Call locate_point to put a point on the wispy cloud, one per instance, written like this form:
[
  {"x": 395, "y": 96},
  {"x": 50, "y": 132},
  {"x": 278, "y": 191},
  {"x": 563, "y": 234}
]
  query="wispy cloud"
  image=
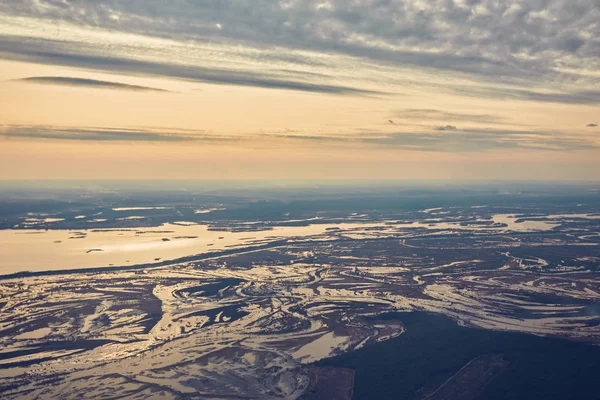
[
  {"x": 438, "y": 140},
  {"x": 91, "y": 83},
  {"x": 442, "y": 115},
  {"x": 446, "y": 128},
  {"x": 464, "y": 140},
  {"x": 65, "y": 54},
  {"x": 101, "y": 134},
  {"x": 584, "y": 96}
]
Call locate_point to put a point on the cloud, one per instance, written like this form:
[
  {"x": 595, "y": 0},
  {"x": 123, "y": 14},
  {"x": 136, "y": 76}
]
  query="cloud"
[
  {"x": 465, "y": 140},
  {"x": 58, "y": 53},
  {"x": 451, "y": 140},
  {"x": 533, "y": 44},
  {"x": 446, "y": 128},
  {"x": 592, "y": 125},
  {"x": 91, "y": 83},
  {"x": 100, "y": 134},
  {"x": 482, "y": 140},
  {"x": 434, "y": 114},
  {"x": 583, "y": 96}
]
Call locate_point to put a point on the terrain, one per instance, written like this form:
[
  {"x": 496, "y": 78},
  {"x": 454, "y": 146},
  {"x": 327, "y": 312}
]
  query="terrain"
[{"x": 279, "y": 294}]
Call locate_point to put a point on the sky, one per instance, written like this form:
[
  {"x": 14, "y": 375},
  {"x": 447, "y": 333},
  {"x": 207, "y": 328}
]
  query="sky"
[{"x": 266, "y": 89}]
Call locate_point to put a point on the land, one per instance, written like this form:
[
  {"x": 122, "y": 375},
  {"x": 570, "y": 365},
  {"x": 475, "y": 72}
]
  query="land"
[
  {"x": 422, "y": 294},
  {"x": 327, "y": 383},
  {"x": 437, "y": 359}
]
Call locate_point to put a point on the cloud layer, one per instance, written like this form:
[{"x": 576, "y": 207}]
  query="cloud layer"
[
  {"x": 547, "y": 50},
  {"x": 68, "y": 54},
  {"x": 481, "y": 36},
  {"x": 441, "y": 139}
]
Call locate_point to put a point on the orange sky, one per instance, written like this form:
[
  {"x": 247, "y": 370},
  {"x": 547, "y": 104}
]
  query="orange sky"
[{"x": 241, "y": 109}]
